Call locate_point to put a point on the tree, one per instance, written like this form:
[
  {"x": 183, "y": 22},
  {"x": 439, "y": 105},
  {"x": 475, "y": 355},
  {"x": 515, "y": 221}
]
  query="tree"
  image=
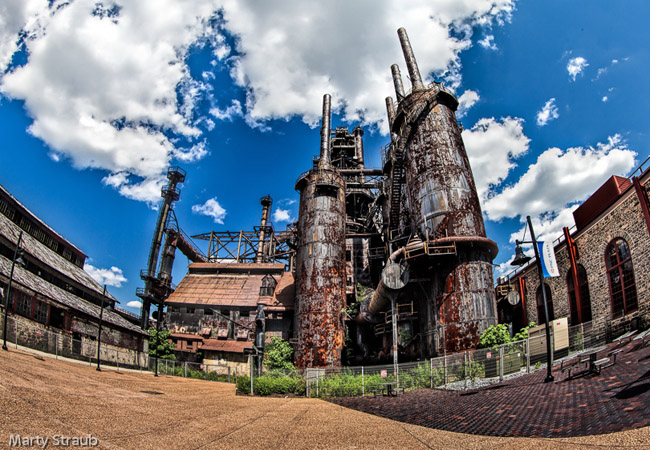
[
  {"x": 278, "y": 355},
  {"x": 160, "y": 345}
]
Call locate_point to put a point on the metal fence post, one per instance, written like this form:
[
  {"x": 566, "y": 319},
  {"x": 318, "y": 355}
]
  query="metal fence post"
[
  {"x": 465, "y": 368},
  {"x": 527, "y": 355},
  {"x": 445, "y": 365},
  {"x": 185, "y": 369},
  {"x": 317, "y": 378},
  {"x": 431, "y": 371},
  {"x": 582, "y": 336},
  {"x": 363, "y": 385},
  {"x": 15, "y": 332},
  {"x": 228, "y": 373},
  {"x": 501, "y": 363}
]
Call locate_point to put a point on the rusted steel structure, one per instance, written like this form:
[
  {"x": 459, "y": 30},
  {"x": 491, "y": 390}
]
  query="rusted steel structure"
[
  {"x": 382, "y": 260},
  {"x": 442, "y": 227},
  {"x": 158, "y": 280},
  {"x": 320, "y": 260}
]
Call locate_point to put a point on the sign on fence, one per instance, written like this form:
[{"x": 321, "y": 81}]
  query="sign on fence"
[{"x": 384, "y": 373}]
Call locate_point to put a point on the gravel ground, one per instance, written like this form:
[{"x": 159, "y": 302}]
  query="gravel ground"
[{"x": 125, "y": 410}]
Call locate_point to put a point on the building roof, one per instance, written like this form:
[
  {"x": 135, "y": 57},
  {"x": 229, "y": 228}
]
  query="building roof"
[
  {"x": 35, "y": 218},
  {"x": 48, "y": 257},
  {"x": 600, "y": 200},
  {"x": 215, "y": 345},
  {"x": 232, "y": 285},
  {"x": 32, "y": 282},
  {"x": 186, "y": 336}
]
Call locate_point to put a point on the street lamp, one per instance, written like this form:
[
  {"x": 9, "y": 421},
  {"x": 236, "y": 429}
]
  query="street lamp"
[
  {"x": 99, "y": 332},
  {"x": 18, "y": 258},
  {"x": 521, "y": 259}
]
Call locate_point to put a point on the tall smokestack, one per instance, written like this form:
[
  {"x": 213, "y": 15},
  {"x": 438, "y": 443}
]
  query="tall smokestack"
[
  {"x": 390, "y": 109},
  {"x": 397, "y": 81},
  {"x": 411, "y": 63},
  {"x": 325, "y": 132},
  {"x": 266, "y": 205},
  {"x": 358, "y": 145}
]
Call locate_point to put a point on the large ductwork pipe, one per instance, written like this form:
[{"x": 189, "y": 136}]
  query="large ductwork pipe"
[
  {"x": 390, "y": 110},
  {"x": 411, "y": 63},
  {"x": 266, "y": 205},
  {"x": 393, "y": 278},
  {"x": 358, "y": 146},
  {"x": 325, "y": 132},
  {"x": 397, "y": 81}
]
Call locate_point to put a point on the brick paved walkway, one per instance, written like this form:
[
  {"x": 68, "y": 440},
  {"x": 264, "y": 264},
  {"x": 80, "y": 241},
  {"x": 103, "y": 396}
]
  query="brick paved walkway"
[{"x": 616, "y": 400}]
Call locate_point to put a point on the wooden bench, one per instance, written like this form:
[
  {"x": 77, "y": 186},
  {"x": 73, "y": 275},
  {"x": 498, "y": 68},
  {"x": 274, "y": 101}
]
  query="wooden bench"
[{"x": 597, "y": 366}]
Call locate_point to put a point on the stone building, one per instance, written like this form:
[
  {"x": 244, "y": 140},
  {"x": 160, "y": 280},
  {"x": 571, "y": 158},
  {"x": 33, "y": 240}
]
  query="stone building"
[
  {"x": 52, "y": 292},
  {"x": 604, "y": 265}
]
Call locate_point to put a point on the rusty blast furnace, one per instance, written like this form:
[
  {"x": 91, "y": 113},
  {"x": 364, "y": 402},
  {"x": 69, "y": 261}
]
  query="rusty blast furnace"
[
  {"x": 405, "y": 243},
  {"x": 320, "y": 260}
]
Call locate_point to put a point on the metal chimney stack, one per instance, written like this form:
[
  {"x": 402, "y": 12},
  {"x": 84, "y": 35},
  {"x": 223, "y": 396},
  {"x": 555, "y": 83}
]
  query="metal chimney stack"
[
  {"x": 411, "y": 63},
  {"x": 397, "y": 80},
  {"x": 358, "y": 146},
  {"x": 266, "y": 205},
  {"x": 325, "y": 132},
  {"x": 390, "y": 110}
]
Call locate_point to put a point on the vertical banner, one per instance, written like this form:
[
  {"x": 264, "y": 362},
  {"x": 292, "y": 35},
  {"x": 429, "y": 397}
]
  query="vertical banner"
[{"x": 547, "y": 254}]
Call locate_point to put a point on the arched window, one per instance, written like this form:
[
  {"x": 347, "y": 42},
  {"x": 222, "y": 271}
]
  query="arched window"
[
  {"x": 620, "y": 273},
  {"x": 541, "y": 317},
  {"x": 583, "y": 289}
]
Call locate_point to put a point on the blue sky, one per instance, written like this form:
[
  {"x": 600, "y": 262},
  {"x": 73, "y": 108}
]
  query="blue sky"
[{"x": 97, "y": 99}]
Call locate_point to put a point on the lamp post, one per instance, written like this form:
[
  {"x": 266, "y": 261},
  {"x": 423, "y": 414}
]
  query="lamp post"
[
  {"x": 18, "y": 258},
  {"x": 521, "y": 259},
  {"x": 158, "y": 319},
  {"x": 99, "y": 333}
]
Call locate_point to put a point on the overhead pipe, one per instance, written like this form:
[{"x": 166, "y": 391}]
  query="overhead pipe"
[
  {"x": 397, "y": 81},
  {"x": 409, "y": 57},
  {"x": 325, "y": 132},
  {"x": 266, "y": 204}
]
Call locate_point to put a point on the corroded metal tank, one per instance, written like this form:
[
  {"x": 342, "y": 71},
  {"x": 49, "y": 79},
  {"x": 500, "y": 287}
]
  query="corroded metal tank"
[
  {"x": 444, "y": 208},
  {"x": 320, "y": 261}
]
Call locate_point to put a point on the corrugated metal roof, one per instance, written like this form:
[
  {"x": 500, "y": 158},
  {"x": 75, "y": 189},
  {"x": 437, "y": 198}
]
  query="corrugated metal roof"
[
  {"x": 186, "y": 336},
  {"x": 38, "y": 285},
  {"x": 232, "y": 285},
  {"x": 215, "y": 345},
  {"x": 49, "y": 258},
  {"x": 40, "y": 222}
]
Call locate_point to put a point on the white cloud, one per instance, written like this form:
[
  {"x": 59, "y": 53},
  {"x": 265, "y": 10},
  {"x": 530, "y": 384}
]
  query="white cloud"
[
  {"x": 108, "y": 87},
  {"x": 605, "y": 98},
  {"x": 548, "y": 227},
  {"x": 488, "y": 42},
  {"x": 466, "y": 101},
  {"x": 548, "y": 112},
  {"x": 559, "y": 179},
  {"x": 135, "y": 304},
  {"x": 282, "y": 215},
  {"x": 110, "y": 277},
  {"x": 291, "y": 56},
  {"x": 576, "y": 66},
  {"x": 491, "y": 147},
  {"x": 211, "y": 208},
  {"x": 234, "y": 110},
  {"x": 101, "y": 82}
]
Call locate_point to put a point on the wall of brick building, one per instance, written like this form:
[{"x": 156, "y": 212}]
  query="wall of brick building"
[{"x": 624, "y": 219}]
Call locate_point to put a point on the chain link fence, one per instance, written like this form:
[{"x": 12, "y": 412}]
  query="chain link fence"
[{"x": 465, "y": 370}]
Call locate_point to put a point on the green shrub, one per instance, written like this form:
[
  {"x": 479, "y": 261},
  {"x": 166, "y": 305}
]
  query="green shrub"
[
  {"x": 494, "y": 336},
  {"x": 278, "y": 354},
  {"x": 269, "y": 384}
]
